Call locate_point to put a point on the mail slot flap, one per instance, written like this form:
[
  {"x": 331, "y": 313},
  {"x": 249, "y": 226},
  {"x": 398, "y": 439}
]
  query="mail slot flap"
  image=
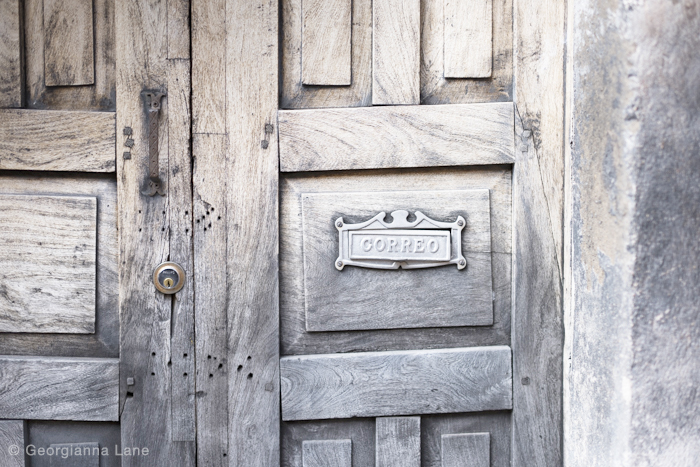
[{"x": 400, "y": 259}]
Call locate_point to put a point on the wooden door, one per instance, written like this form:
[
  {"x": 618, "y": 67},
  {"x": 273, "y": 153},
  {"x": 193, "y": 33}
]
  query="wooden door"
[
  {"x": 284, "y": 133},
  {"x": 59, "y": 271},
  {"x": 350, "y": 110}
]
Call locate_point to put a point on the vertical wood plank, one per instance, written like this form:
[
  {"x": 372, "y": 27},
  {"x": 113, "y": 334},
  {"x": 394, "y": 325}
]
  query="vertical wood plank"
[
  {"x": 327, "y": 453},
  {"x": 11, "y": 434},
  {"x": 396, "y": 52},
  {"x": 398, "y": 442},
  {"x": 209, "y": 196},
  {"x": 148, "y": 319},
  {"x": 68, "y": 43},
  {"x": 325, "y": 42},
  {"x": 472, "y": 449},
  {"x": 209, "y": 185},
  {"x": 468, "y": 38},
  {"x": 11, "y": 53},
  {"x": 537, "y": 316},
  {"x": 252, "y": 242},
  {"x": 539, "y": 28},
  {"x": 180, "y": 207},
  {"x": 209, "y": 66},
  {"x": 178, "y": 29}
]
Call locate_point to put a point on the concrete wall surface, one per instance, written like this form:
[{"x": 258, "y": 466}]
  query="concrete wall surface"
[{"x": 633, "y": 375}]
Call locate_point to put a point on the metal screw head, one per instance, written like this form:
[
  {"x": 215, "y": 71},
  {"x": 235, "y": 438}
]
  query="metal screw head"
[
  {"x": 339, "y": 264},
  {"x": 460, "y": 222},
  {"x": 462, "y": 262},
  {"x": 339, "y": 224},
  {"x": 129, "y": 381}
]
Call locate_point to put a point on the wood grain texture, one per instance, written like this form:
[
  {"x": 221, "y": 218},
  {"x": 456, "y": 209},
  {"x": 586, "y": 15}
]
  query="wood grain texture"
[
  {"x": 154, "y": 327},
  {"x": 326, "y": 42},
  {"x": 540, "y": 44},
  {"x": 466, "y": 449},
  {"x": 209, "y": 185},
  {"x": 295, "y": 95},
  {"x": 57, "y": 141},
  {"x": 105, "y": 341},
  {"x": 179, "y": 29},
  {"x": 11, "y": 54},
  {"x": 294, "y": 338},
  {"x": 48, "y": 263},
  {"x": 436, "y": 88},
  {"x": 538, "y": 343},
  {"x": 68, "y": 43},
  {"x": 89, "y": 455},
  {"x": 180, "y": 205},
  {"x": 209, "y": 150},
  {"x": 396, "y": 137},
  {"x": 57, "y": 388},
  {"x": 468, "y": 38},
  {"x": 496, "y": 424},
  {"x": 252, "y": 219},
  {"x": 396, "y": 383},
  {"x": 99, "y": 96},
  {"x": 390, "y": 299},
  {"x": 208, "y": 66},
  {"x": 398, "y": 442},
  {"x": 11, "y": 434},
  {"x": 395, "y": 52},
  {"x": 360, "y": 431},
  {"x": 327, "y": 453}
]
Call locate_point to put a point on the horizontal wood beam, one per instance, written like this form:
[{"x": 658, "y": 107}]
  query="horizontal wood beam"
[
  {"x": 374, "y": 384},
  {"x": 396, "y": 137},
  {"x": 57, "y": 388},
  {"x": 55, "y": 140}
]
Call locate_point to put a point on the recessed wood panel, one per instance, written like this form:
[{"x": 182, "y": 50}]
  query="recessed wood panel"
[
  {"x": 105, "y": 341},
  {"x": 393, "y": 137},
  {"x": 10, "y": 54},
  {"x": 472, "y": 449},
  {"x": 468, "y": 38},
  {"x": 48, "y": 263},
  {"x": 396, "y": 52},
  {"x": 46, "y": 388},
  {"x": 327, "y": 453},
  {"x": 57, "y": 140},
  {"x": 68, "y": 43},
  {"x": 325, "y": 43},
  {"x": 436, "y": 86},
  {"x": 294, "y": 94},
  {"x": 396, "y": 383},
  {"x": 357, "y": 298},
  {"x": 11, "y": 434},
  {"x": 398, "y": 442},
  {"x": 294, "y": 337},
  {"x": 89, "y": 455}
]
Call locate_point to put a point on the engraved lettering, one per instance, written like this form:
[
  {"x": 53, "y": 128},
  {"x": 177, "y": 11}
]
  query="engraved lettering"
[
  {"x": 379, "y": 244},
  {"x": 433, "y": 246},
  {"x": 392, "y": 245},
  {"x": 419, "y": 247},
  {"x": 367, "y": 244},
  {"x": 405, "y": 245}
]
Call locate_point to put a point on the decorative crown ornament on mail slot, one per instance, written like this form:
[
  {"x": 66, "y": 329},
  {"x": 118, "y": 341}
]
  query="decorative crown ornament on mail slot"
[{"x": 423, "y": 243}]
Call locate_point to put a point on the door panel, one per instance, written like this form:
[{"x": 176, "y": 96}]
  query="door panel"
[{"x": 295, "y": 338}]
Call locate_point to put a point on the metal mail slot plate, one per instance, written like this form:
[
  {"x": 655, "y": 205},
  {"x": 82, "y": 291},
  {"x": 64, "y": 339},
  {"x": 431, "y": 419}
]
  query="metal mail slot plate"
[{"x": 400, "y": 245}]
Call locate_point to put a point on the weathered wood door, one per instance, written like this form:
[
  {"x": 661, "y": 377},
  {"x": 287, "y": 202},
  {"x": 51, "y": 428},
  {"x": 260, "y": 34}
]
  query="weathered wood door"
[
  {"x": 369, "y": 241},
  {"x": 59, "y": 284}
]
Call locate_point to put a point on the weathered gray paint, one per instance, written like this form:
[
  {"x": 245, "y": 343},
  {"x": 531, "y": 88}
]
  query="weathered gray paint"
[{"x": 633, "y": 371}]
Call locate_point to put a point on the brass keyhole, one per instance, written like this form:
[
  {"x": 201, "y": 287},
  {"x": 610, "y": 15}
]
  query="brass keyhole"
[
  {"x": 169, "y": 278},
  {"x": 168, "y": 282}
]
